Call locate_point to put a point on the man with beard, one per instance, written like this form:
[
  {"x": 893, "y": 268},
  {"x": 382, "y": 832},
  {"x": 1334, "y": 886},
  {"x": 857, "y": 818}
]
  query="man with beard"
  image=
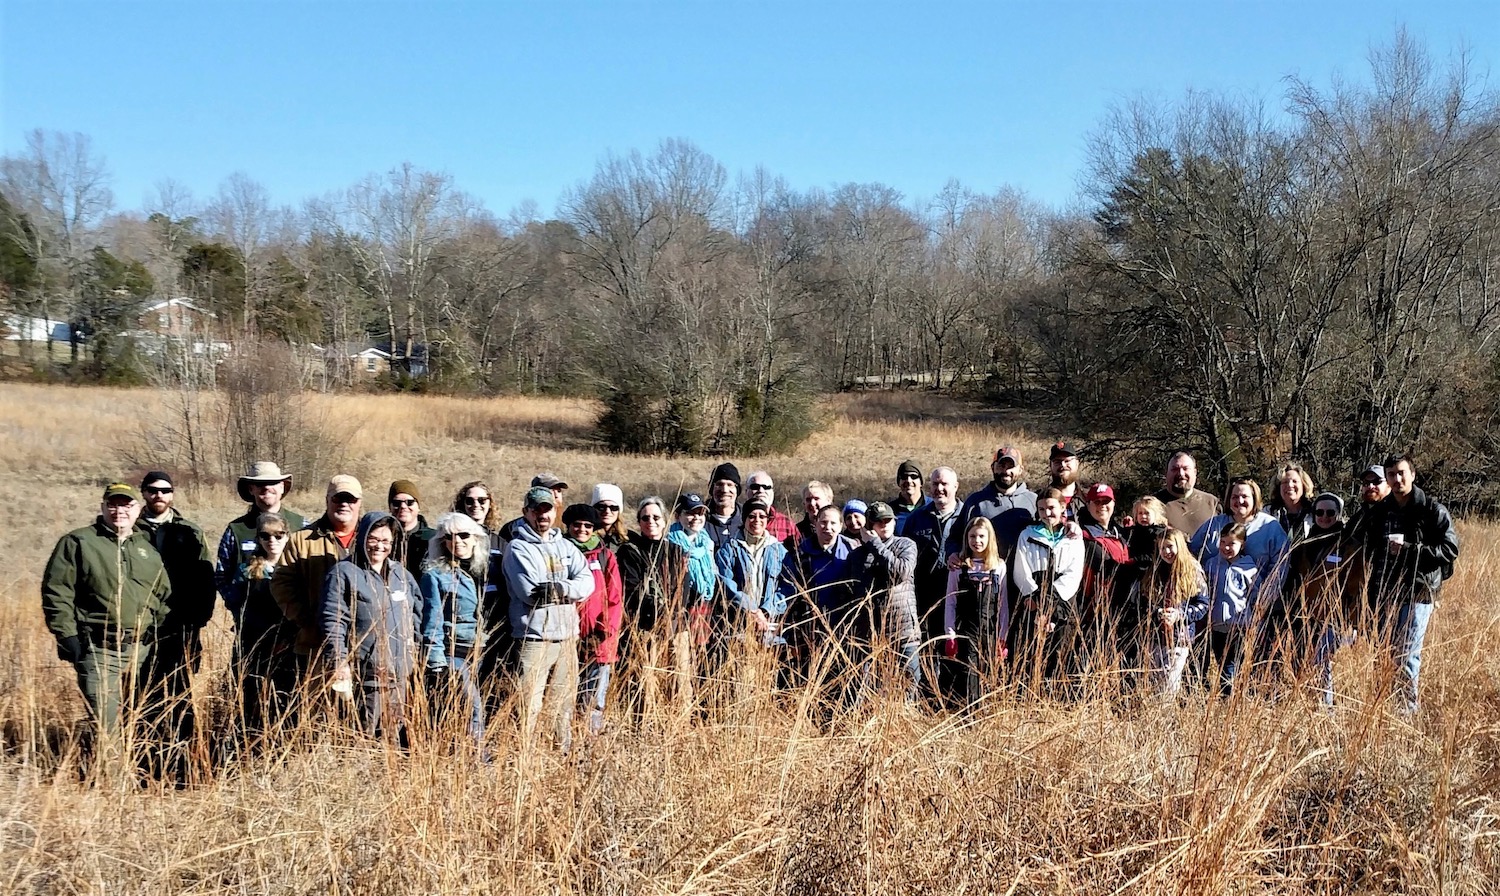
[
  {"x": 1006, "y": 502},
  {"x": 1062, "y": 468},
  {"x": 264, "y": 486},
  {"x": 177, "y": 646},
  {"x": 1187, "y": 507},
  {"x": 1372, "y": 490}
]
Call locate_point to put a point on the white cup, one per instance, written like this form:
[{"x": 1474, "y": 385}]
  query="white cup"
[{"x": 1396, "y": 538}]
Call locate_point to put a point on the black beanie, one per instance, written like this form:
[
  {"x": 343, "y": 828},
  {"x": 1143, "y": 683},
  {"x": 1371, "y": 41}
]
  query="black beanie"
[{"x": 727, "y": 471}]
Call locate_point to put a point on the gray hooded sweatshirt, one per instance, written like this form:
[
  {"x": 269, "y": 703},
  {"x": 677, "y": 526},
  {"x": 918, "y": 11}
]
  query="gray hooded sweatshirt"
[{"x": 532, "y": 560}]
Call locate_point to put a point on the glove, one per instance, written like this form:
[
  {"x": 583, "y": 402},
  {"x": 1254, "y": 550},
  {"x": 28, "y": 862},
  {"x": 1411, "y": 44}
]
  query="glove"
[
  {"x": 950, "y": 647},
  {"x": 548, "y": 593},
  {"x": 70, "y": 649},
  {"x": 437, "y": 677}
]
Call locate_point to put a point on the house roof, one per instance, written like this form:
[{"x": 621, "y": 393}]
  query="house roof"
[{"x": 179, "y": 302}]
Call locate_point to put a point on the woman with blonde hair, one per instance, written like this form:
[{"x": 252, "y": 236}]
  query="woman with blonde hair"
[
  {"x": 451, "y": 587},
  {"x": 976, "y": 614}
]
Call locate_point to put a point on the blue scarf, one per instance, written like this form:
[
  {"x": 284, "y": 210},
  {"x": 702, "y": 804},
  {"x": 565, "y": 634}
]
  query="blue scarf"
[{"x": 703, "y": 572}]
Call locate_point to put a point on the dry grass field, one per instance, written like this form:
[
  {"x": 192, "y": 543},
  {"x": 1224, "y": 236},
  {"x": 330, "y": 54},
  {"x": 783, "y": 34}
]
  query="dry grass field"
[{"x": 1259, "y": 794}]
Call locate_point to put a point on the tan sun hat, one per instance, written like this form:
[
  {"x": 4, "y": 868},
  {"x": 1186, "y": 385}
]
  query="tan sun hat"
[{"x": 263, "y": 471}]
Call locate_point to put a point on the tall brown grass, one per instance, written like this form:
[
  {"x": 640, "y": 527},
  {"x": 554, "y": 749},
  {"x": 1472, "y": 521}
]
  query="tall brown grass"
[{"x": 1261, "y": 793}]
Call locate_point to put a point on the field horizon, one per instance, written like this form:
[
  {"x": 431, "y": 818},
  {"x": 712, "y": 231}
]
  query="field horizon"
[{"x": 1264, "y": 792}]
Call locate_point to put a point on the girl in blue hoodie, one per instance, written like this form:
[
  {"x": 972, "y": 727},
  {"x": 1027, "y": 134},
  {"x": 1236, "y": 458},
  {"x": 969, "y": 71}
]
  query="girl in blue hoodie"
[{"x": 1231, "y": 575}]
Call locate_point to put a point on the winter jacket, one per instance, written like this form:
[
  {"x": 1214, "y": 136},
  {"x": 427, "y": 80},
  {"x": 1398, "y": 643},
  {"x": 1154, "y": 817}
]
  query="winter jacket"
[
  {"x": 1187, "y": 515},
  {"x": 235, "y": 548},
  {"x": 823, "y": 575},
  {"x": 600, "y": 617},
  {"x": 184, "y": 552},
  {"x": 298, "y": 583},
  {"x": 720, "y": 532},
  {"x": 1010, "y": 514},
  {"x": 903, "y": 512},
  {"x": 654, "y": 575},
  {"x": 930, "y": 533},
  {"x": 534, "y": 562},
  {"x": 750, "y": 586},
  {"x": 1040, "y": 550},
  {"x": 1416, "y": 574},
  {"x": 412, "y": 551},
  {"x": 1149, "y": 600},
  {"x": 370, "y": 619},
  {"x": 1232, "y": 591},
  {"x": 886, "y": 573},
  {"x": 780, "y": 526},
  {"x": 104, "y": 590},
  {"x": 451, "y": 615}
]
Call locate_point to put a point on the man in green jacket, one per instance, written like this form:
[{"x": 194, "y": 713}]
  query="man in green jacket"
[{"x": 104, "y": 592}]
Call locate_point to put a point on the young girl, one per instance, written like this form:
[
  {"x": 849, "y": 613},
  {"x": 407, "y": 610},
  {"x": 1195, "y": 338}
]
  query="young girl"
[
  {"x": 1048, "y": 569},
  {"x": 1172, "y": 597},
  {"x": 976, "y": 611},
  {"x": 264, "y": 638}
]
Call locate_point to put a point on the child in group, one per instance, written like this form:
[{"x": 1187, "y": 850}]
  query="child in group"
[
  {"x": 1231, "y": 575},
  {"x": 976, "y": 611},
  {"x": 1173, "y": 596}
]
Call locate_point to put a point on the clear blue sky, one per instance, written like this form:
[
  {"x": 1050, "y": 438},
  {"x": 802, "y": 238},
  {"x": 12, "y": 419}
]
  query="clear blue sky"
[{"x": 520, "y": 101}]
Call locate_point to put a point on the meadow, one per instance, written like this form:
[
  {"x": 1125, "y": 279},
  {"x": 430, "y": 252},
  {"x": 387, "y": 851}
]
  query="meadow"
[{"x": 1258, "y": 794}]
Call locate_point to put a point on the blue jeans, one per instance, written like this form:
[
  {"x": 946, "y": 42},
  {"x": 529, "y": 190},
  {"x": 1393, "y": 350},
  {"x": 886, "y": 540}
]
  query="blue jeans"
[{"x": 1404, "y": 636}]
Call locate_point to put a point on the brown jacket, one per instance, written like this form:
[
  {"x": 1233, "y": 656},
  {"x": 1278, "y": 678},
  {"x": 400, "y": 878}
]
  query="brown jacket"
[{"x": 297, "y": 585}]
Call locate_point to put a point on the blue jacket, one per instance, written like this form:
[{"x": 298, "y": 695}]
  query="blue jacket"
[
  {"x": 370, "y": 620},
  {"x": 735, "y": 564},
  {"x": 1232, "y": 587},
  {"x": 1265, "y": 542},
  {"x": 824, "y": 575},
  {"x": 450, "y": 614}
]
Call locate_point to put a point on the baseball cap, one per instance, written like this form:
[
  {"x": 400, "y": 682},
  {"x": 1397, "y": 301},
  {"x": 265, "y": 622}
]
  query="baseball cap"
[
  {"x": 1375, "y": 469},
  {"x": 344, "y": 484},
  {"x": 1061, "y": 449},
  {"x": 1009, "y": 453},
  {"x": 119, "y": 490},
  {"x": 1099, "y": 491},
  {"x": 880, "y": 511},
  {"x": 548, "y": 480},
  {"x": 539, "y": 496},
  {"x": 690, "y": 501}
]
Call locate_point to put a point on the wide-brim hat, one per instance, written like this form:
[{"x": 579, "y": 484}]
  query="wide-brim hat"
[{"x": 262, "y": 471}]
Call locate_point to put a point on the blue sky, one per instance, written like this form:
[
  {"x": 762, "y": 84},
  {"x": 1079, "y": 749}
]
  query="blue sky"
[{"x": 520, "y": 100}]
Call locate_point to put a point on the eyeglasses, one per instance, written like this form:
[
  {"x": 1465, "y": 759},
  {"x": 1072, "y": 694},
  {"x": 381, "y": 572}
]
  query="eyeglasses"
[
  {"x": 608, "y": 508},
  {"x": 475, "y": 502},
  {"x": 157, "y": 490},
  {"x": 373, "y": 543},
  {"x": 266, "y": 536},
  {"x": 459, "y": 536},
  {"x": 404, "y": 502}
]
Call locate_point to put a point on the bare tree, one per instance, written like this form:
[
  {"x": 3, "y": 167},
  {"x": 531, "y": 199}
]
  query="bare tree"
[{"x": 241, "y": 214}]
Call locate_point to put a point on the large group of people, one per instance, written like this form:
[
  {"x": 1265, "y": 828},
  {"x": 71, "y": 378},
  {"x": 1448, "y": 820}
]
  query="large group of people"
[{"x": 943, "y": 601}]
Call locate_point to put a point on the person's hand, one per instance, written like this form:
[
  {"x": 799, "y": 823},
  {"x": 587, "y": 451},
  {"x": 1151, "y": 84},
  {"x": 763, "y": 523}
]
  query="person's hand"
[
  {"x": 70, "y": 649},
  {"x": 866, "y": 536},
  {"x": 1171, "y": 615},
  {"x": 343, "y": 680},
  {"x": 548, "y": 593},
  {"x": 1003, "y": 651},
  {"x": 955, "y": 562},
  {"x": 762, "y": 622},
  {"x": 1072, "y": 529}
]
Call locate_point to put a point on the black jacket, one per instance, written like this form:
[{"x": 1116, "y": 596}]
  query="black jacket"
[{"x": 1426, "y": 558}]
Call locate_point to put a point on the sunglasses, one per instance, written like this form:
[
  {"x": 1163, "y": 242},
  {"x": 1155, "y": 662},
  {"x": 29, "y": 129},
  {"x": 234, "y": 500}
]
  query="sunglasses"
[
  {"x": 157, "y": 490},
  {"x": 266, "y": 536},
  {"x": 1323, "y": 514},
  {"x": 476, "y": 502},
  {"x": 404, "y": 502},
  {"x": 613, "y": 508},
  {"x": 459, "y": 536},
  {"x": 760, "y": 487}
]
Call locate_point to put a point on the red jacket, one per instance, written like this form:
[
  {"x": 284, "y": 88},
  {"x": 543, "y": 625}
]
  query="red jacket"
[{"x": 600, "y": 616}]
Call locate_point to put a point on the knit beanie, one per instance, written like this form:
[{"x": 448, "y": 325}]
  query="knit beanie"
[
  {"x": 727, "y": 471},
  {"x": 403, "y": 487}
]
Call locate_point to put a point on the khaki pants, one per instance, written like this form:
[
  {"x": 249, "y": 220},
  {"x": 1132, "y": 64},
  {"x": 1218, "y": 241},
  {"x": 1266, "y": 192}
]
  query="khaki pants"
[{"x": 549, "y": 681}]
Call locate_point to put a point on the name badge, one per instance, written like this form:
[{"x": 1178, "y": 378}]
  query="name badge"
[
  {"x": 247, "y": 545},
  {"x": 491, "y": 589},
  {"x": 398, "y": 596},
  {"x": 1333, "y": 558},
  {"x": 594, "y": 564}
]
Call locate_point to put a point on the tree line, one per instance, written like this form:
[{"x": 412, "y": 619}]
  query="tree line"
[{"x": 1313, "y": 277}]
